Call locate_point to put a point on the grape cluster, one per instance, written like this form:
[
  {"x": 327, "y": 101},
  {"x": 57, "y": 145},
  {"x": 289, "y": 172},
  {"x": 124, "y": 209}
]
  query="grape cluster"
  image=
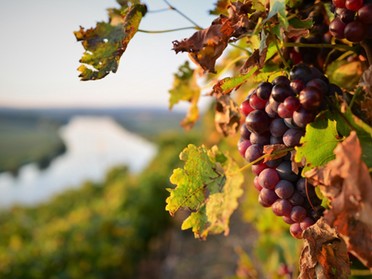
[
  {"x": 353, "y": 20},
  {"x": 277, "y": 113}
]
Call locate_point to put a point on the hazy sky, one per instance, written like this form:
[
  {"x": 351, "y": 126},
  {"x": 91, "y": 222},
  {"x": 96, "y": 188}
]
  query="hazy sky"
[{"x": 39, "y": 54}]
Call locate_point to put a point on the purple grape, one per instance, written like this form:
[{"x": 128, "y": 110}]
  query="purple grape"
[
  {"x": 303, "y": 117},
  {"x": 296, "y": 230},
  {"x": 274, "y": 163},
  {"x": 288, "y": 220},
  {"x": 297, "y": 85},
  {"x": 268, "y": 178},
  {"x": 281, "y": 80},
  {"x": 276, "y": 140},
  {"x": 310, "y": 98},
  {"x": 242, "y": 146},
  {"x": 264, "y": 90},
  {"x": 256, "y": 169},
  {"x": 246, "y": 108},
  {"x": 256, "y": 102},
  {"x": 298, "y": 213},
  {"x": 290, "y": 123},
  {"x": 307, "y": 222},
  {"x": 292, "y": 137},
  {"x": 278, "y": 127},
  {"x": 291, "y": 103},
  {"x": 253, "y": 152},
  {"x": 283, "y": 112},
  {"x": 261, "y": 139},
  {"x": 282, "y": 207},
  {"x": 296, "y": 199},
  {"x": 285, "y": 171},
  {"x": 281, "y": 91},
  {"x": 284, "y": 189},
  {"x": 355, "y": 31},
  {"x": 267, "y": 197},
  {"x": 336, "y": 28},
  {"x": 258, "y": 121},
  {"x": 257, "y": 184},
  {"x": 244, "y": 132},
  {"x": 365, "y": 14}
]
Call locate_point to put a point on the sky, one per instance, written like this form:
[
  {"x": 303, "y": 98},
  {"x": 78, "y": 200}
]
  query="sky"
[{"x": 39, "y": 54}]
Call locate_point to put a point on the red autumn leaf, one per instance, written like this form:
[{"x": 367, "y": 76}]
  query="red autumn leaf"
[
  {"x": 347, "y": 183},
  {"x": 324, "y": 254}
]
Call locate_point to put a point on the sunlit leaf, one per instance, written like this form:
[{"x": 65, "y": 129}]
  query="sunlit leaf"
[
  {"x": 208, "y": 185},
  {"x": 105, "y": 43},
  {"x": 185, "y": 88}
]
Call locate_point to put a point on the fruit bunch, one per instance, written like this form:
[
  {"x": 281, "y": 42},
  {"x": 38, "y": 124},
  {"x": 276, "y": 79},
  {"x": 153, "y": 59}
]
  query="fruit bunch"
[
  {"x": 277, "y": 113},
  {"x": 353, "y": 20}
]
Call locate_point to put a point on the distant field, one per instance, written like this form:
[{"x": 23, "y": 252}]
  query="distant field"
[{"x": 27, "y": 139}]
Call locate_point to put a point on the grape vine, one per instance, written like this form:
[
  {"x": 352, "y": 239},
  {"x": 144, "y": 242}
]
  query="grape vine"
[{"x": 297, "y": 99}]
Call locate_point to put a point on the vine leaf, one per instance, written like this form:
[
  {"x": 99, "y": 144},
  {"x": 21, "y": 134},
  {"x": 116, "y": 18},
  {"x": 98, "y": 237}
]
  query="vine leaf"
[
  {"x": 227, "y": 115},
  {"x": 345, "y": 74},
  {"x": 208, "y": 185},
  {"x": 317, "y": 147},
  {"x": 347, "y": 183},
  {"x": 185, "y": 88},
  {"x": 324, "y": 254},
  {"x": 105, "y": 43}
]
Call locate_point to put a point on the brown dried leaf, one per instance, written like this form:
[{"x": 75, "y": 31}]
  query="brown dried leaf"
[
  {"x": 275, "y": 150},
  {"x": 347, "y": 184},
  {"x": 207, "y": 45},
  {"x": 227, "y": 116},
  {"x": 324, "y": 254}
]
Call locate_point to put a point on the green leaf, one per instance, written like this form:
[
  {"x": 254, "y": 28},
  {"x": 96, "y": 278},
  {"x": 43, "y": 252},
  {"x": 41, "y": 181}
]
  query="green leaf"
[
  {"x": 320, "y": 140},
  {"x": 186, "y": 88},
  {"x": 209, "y": 185},
  {"x": 105, "y": 43},
  {"x": 299, "y": 23},
  {"x": 277, "y": 7},
  {"x": 345, "y": 74},
  {"x": 227, "y": 85}
]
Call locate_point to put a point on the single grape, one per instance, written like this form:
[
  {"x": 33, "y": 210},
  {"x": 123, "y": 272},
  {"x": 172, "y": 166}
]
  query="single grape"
[
  {"x": 283, "y": 112},
  {"x": 261, "y": 139},
  {"x": 303, "y": 117},
  {"x": 336, "y": 28},
  {"x": 242, "y": 146},
  {"x": 245, "y": 107},
  {"x": 281, "y": 80},
  {"x": 310, "y": 98},
  {"x": 301, "y": 72},
  {"x": 244, "y": 132},
  {"x": 257, "y": 184},
  {"x": 258, "y": 121},
  {"x": 296, "y": 230},
  {"x": 268, "y": 178},
  {"x": 278, "y": 127},
  {"x": 256, "y": 102},
  {"x": 292, "y": 137},
  {"x": 281, "y": 91},
  {"x": 253, "y": 152},
  {"x": 320, "y": 84},
  {"x": 307, "y": 222},
  {"x": 355, "y": 31},
  {"x": 365, "y": 14},
  {"x": 339, "y": 3},
  {"x": 353, "y": 5},
  {"x": 267, "y": 196},
  {"x": 256, "y": 169},
  {"x": 285, "y": 171},
  {"x": 291, "y": 103},
  {"x": 284, "y": 189},
  {"x": 264, "y": 90},
  {"x": 298, "y": 213},
  {"x": 282, "y": 207},
  {"x": 270, "y": 111}
]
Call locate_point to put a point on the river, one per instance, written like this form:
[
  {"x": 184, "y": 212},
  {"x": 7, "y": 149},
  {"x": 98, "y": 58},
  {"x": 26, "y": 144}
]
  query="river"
[{"x": 94, "y": 145}]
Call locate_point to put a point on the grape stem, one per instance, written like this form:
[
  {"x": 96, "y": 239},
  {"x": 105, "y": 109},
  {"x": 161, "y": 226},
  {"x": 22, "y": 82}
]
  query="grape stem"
[
  {"x": 286, "y": 65},
  {"x": 165, "y": 31},
  {"x": 367, "y": 45},
  {"x": 197, "y": 26},
  {"x": 335, "y": 46},
  {"x": 282, "y": 152}
]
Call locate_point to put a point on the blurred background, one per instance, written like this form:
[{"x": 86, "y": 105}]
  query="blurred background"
[{"x": 84, "y": 165}]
